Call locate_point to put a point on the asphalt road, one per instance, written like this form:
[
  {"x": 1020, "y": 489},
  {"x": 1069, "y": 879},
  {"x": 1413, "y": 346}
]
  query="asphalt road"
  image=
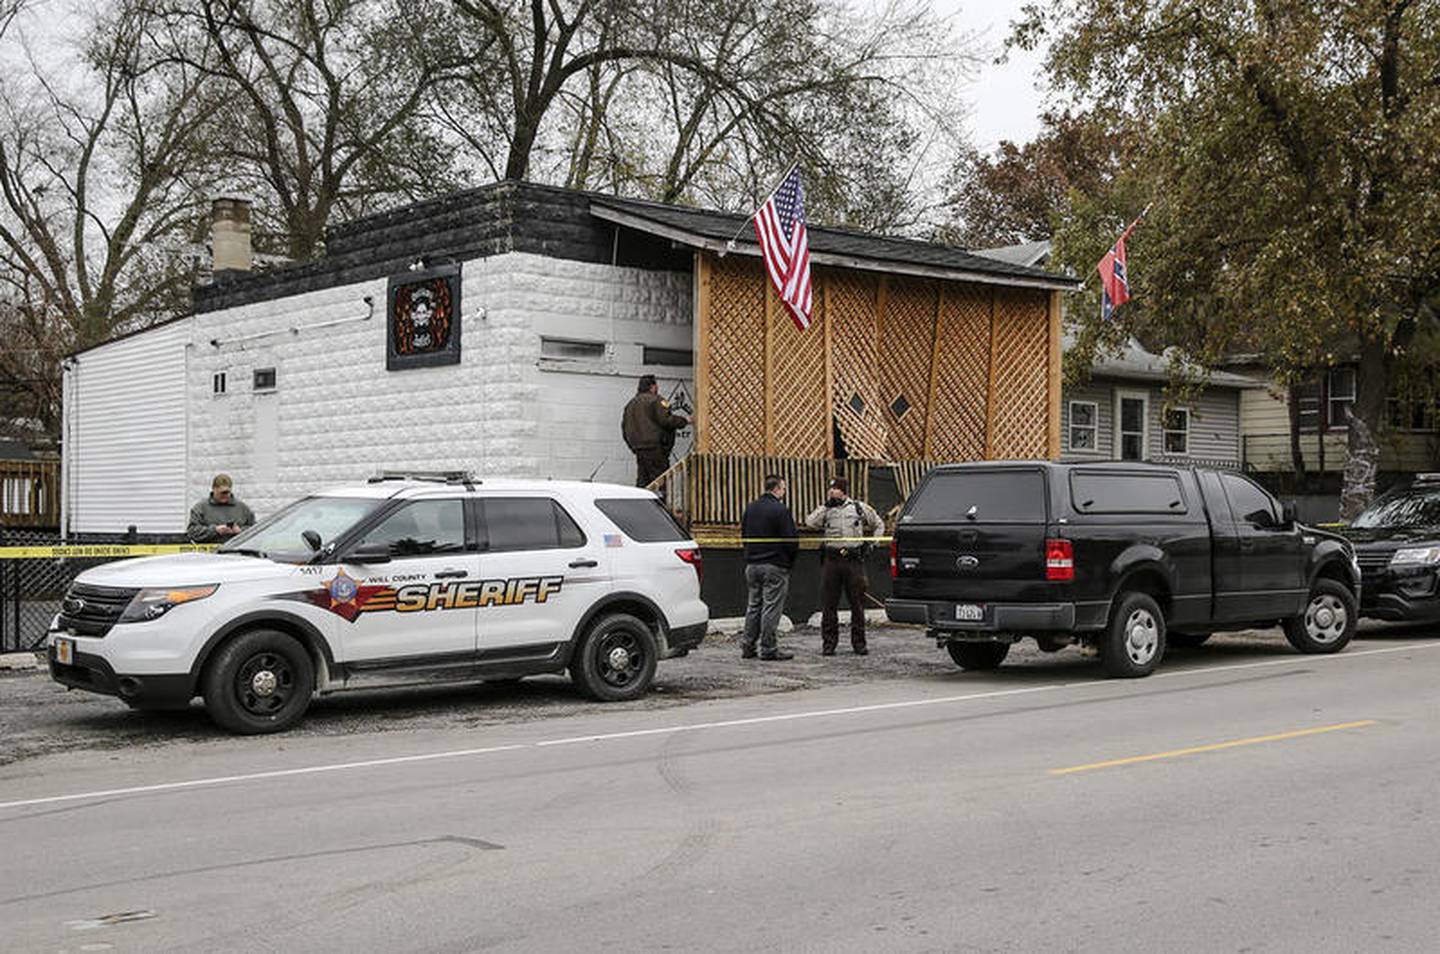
[{"x": 1243, "y": 799}]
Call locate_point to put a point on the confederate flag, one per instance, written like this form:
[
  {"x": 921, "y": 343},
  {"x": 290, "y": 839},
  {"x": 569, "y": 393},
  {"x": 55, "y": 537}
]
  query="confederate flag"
[{"x": 1114, "y": 279}]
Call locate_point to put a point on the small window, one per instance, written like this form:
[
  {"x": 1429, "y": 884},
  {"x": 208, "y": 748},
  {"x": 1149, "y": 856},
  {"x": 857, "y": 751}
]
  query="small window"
[
  {"x": 217, "y": 383},
  {"x": 572, "y": 349},
  {"x": 422, "y": 528},
  {"x": 1342, "y": 395},
  {"x": 1084, "y": 425},
  {"x": 1126, "y": 493},
  {"x": 899, "y": 406},
  {"x": 264, "y": 379},
  {"x": 988, "y": 496},
  {"x": 642, "y": 520},
  {"x": 1248, "y": 503},
  {"x": 1133, "y": 411},
  {"x": 670, "y": 357},
  {"x": 1177, "y": 431},
  {"x": 1307, "y": 399},
  {"x": 857, "y": 404},
  {"x": 528, "y": 523}
]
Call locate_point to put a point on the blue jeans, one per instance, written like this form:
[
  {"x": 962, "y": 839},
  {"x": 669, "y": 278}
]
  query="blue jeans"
[{"x": 768, "y": 586}]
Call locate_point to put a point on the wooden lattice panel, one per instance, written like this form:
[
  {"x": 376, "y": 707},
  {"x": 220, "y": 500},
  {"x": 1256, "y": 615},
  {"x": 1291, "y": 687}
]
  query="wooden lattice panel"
[
  {"x": 799, "y": 424},
  {"x": 907, "y": 331},
  {"x": 855, "y": 361},
  {"x": 962, "y": 374},
  {"x": 1021, "y": 417},
  {"x": 735, "y": 411}
]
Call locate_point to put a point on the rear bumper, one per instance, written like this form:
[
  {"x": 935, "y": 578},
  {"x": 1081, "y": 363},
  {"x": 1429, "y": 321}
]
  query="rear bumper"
[
  {"x": 681, "y": 639},
  {"x": 999, "y": 617},
  {"x": 94, "y": 674}
]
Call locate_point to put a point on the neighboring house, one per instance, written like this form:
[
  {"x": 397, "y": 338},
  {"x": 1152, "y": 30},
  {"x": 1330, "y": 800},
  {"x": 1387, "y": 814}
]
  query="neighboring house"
[
  {"x": 29, "y": 486},
  {"x": 1409, "y": 439},
  {"x": 1122, "y": 413}
]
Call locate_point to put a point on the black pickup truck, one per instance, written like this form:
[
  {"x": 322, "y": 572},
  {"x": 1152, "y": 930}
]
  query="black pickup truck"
[{"x": 1118, "y": 557}]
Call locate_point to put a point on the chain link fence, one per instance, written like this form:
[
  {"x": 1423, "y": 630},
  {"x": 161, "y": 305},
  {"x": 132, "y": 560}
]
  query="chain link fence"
[{"x": 31, "y": 588}]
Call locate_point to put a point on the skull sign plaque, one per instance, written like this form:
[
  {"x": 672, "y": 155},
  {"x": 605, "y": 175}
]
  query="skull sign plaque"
[{"x": 423, "y": 319}]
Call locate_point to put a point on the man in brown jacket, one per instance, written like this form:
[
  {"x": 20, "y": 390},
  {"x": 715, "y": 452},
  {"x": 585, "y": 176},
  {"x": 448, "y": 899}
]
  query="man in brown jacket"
[
  {"x": 649, "y": 427},
  {"x": 846, "y": 524}
]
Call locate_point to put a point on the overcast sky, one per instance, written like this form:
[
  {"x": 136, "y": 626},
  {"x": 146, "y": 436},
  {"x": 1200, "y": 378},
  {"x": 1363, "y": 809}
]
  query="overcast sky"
[{"x": 1005, "y": 101}]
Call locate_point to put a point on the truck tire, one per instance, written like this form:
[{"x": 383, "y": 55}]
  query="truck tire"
[
  {"x": 260, "y": 681},
  {"x": 1188, "y": 640},
  {"x": 1134, "y": 642},
  {"x": 1329, "y": 619},
  {"x": 615, "y": 660},
  {"x": 978, "y": 656}
]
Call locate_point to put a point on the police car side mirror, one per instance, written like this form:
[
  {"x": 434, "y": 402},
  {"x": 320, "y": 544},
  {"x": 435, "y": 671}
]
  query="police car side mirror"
[{"x": 369, "y": 553}]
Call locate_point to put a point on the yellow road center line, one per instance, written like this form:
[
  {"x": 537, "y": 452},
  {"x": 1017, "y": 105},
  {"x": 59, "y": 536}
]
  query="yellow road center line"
[{"x": 1214, "y": 747}]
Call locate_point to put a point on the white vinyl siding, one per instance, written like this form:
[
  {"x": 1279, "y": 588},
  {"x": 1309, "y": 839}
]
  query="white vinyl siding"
[
  {"x": 1214, "y": 422},
  {"x": 125, "y": 434}
]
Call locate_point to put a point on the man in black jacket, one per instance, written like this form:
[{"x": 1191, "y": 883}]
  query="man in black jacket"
[{"x": 768, "y": 523}]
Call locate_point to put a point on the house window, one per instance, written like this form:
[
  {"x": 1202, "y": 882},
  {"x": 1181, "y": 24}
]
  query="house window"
[
  {"x": 1084, "y": 425},
  {"x": 264, "y": 379},
  {"x": 1177, "y": 431},
  {"x": 572, "y": 349},
  {"x": 217, "y": 383},
  {"x": 1130, "y": 425},
  {"x": 1411, "y": 406},
  {"x": 670, "y": 357},
  {"x": 1342, "y": 395},
  {"x": 1309, "y": 401}
]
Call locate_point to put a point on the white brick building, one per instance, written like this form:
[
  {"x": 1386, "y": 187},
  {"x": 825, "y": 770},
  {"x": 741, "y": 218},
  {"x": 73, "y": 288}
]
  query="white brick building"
[{"x": 551, "y": 349}]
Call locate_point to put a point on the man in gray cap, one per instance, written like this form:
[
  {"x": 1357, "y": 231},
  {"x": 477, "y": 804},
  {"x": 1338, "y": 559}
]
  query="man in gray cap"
[{"x": 219, "y": 516}]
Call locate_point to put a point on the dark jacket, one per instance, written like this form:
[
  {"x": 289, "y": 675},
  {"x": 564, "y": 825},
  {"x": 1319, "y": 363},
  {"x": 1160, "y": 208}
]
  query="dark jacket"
[
  {"x": 206, "y": 515},
  {"x": 647, "y": 423},
  {"x": 768, "y": 519}
]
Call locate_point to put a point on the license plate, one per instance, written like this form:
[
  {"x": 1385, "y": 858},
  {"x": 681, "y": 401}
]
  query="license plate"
[
  {"x": 65, "y": 652},
  {"x": 969, "y": 612}
]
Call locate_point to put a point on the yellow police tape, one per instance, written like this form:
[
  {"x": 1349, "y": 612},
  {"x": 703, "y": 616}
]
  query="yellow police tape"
[
  {"x": 74, "y": 550},
  {"x": 112, "y": 550}
]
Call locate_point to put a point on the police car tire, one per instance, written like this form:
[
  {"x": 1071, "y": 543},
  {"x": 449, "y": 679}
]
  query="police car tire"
[
  {"x": 259, "y": 651},
  {"x": 590, "y": 667}
]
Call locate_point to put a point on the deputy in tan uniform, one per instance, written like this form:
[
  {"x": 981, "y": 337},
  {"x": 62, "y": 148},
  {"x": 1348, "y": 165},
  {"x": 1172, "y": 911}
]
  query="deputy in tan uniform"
[
  {"x": 845, "y": 523},
  {"x": 649, "y": 427}
]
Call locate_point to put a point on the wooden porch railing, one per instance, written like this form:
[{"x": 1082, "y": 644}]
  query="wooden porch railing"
[
  {"x": 30, "y": 493},
  {"x": 712, "y": 490}
]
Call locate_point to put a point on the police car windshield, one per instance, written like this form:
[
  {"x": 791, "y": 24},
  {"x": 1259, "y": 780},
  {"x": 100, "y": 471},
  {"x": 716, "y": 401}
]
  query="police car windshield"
[
  {"x": 281, "y": 534},
  {"x": 1408, "y": 510}
]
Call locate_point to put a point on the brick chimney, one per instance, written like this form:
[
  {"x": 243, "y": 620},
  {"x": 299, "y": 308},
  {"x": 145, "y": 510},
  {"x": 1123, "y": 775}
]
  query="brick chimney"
[{"x": 230, "y": 236}]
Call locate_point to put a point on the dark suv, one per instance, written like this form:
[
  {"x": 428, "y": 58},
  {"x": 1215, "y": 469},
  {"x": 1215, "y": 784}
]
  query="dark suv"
[
  {"x": 1121, "y": 557},
  {"x": 1397, "y": 541}
]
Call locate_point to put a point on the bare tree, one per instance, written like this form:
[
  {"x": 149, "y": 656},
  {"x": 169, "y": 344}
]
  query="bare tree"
[
  {"x": 99, "y": 186},
  {"x": 326, "y": 119}
]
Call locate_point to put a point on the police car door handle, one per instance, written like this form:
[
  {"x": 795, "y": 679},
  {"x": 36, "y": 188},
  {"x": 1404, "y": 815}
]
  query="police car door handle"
[
  {"x": 578, "y": 564},
  {"x": 451, "y": 574}
]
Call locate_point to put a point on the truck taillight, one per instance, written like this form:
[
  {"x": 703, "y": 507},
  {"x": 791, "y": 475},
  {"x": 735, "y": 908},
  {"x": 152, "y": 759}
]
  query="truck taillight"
[
  {"x": 894, "y": 560},
  {"x": 1059, "y": 561},
  {"x": 695, "y": 559}
]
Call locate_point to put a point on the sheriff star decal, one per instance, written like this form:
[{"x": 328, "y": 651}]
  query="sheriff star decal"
[{"x": 348, "y": 597}]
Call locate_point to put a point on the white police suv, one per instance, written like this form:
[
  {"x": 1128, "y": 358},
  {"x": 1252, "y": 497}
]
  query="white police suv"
[{"x": 405, "y": 580}]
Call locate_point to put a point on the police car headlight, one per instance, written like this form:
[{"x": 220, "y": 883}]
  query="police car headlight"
[
  {"x": 153, "y": 604},
  {"x": 1416, "y": 556}
]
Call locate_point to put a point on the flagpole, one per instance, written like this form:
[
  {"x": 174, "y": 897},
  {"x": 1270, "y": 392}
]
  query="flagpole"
[{"x": 730, "y": 245}]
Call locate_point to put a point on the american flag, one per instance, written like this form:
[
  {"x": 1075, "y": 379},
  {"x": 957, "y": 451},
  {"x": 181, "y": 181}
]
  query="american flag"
[{"x": 785, "y": 246}]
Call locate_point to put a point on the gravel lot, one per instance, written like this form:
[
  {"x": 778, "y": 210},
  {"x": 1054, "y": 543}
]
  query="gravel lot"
[{"x": 38, "y": 716}]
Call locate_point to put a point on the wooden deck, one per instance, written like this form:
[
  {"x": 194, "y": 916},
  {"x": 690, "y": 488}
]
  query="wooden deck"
[{"x": 29, "y": 493}]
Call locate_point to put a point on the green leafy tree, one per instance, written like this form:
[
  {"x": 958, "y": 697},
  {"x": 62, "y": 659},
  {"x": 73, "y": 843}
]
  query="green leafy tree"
[{"x": 1290, "y": 150}]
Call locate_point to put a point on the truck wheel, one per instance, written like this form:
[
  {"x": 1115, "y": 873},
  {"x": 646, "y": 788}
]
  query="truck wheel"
[
  {"x": 978, "y": 656},
  {"x": 1328, "y": 621},
  {"x": 1188, "y": 640},
  {"x": 615, "y": 660},
  {"x": 260, "y": 681},
  {"x": 1134, "y": 642}
]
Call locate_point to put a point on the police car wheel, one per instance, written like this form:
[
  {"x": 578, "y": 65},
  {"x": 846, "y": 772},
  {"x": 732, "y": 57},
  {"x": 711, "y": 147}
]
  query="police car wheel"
[
  {"x": 615, "y": 660},
  {"x": 260, "y": 681}
]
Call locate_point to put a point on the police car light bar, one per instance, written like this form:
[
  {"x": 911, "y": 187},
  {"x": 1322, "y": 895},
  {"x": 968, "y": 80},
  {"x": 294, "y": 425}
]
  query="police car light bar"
[
  {"x": 1428, "y": 478},
  {"x": 434, "y": 476}
]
